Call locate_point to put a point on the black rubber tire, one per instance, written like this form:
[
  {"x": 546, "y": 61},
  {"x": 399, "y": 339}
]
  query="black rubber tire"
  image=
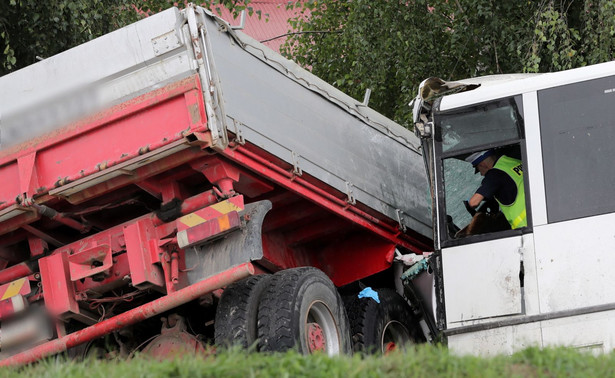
[
  {"x": 369, "y": 320},
  {"x": 295, "y": 301},
  {"x": 236, "y": 315}
]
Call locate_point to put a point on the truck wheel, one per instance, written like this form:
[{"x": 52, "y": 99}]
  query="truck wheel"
[
  {"x": 382, "y": 327},
  {"x": 302, "y": 310},
  {"x": 235, "y": 322}
]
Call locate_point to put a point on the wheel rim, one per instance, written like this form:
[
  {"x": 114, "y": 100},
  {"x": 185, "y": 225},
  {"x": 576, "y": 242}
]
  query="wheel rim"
[
  {"x": 321, "y": 330},
  {"x": 316, "y": 337},
  {"x": 395, "y": 335}
]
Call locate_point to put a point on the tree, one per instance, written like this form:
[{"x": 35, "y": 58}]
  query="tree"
[
  {"x": 391, "y": 46},
  {"x": 31, "y": 30}
]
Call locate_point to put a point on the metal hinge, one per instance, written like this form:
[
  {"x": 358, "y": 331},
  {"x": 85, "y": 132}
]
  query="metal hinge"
[
  {"x": 239, "y": 139},
  {"x": 400, "y": 219},
  {"x": 350, "y": 194},
  {"x": 296, "y": 168}
]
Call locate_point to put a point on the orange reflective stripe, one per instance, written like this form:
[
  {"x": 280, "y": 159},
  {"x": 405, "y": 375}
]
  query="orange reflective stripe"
[{"x": 224, "y": 223}]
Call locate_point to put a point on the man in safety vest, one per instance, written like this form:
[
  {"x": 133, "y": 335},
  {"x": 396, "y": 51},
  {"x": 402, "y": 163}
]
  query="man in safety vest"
[{"x": 504, "y": 182}]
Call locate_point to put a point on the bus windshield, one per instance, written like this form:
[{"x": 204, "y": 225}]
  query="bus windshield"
[{"x": 492, "y": 123}]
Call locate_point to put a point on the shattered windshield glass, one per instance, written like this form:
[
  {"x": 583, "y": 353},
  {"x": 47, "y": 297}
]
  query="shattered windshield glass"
[
  {"x": 481, "y": 126},
  {"x": 460, "y": 183}
]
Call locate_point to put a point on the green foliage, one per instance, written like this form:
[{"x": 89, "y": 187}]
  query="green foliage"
[
  {"x": 598, "y": 19},
  {"x": 32, "y": 28},
  {"x": 422, "y": 361},
  {"x": 391, "y": 46}
]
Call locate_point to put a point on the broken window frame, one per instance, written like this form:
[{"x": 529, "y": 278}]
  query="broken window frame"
[{"x": 460, "y": 154}]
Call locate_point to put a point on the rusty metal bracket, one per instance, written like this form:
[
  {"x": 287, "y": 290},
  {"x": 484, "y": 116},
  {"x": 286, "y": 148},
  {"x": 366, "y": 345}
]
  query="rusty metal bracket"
[
  {"x": 239, "y": 139},
  {"x": 400, "y": 220},
  {"x": 350, "y": 194},
  {"x": 297, "y": 171},
  {"x": 94, "y": 261}
]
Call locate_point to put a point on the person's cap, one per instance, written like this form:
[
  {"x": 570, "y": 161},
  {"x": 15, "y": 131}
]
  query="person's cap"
[{"x": 477, "y": 157}]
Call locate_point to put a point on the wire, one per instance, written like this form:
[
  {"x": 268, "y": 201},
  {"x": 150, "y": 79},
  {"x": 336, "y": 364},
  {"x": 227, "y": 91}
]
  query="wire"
[
  {"x": 122, "y": 298},
  {"x": 301, "y": 32},
  {"x": 92, "y": 209},
  {"x": 135, "y": 350}
]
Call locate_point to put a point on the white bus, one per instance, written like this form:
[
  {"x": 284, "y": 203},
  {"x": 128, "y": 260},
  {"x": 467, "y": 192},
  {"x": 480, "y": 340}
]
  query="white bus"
[{"x": 551, "y": 282}]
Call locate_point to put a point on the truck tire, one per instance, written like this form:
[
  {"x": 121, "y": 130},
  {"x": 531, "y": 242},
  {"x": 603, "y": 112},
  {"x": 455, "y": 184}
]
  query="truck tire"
[
  {"x": 235, "y": 322},
  {"x": 302, "y": 310},
  {"x": 382, "y": 327}
]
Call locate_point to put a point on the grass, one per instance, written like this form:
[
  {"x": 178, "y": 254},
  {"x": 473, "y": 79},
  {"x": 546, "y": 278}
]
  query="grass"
[{"x": 423, "y": 361}]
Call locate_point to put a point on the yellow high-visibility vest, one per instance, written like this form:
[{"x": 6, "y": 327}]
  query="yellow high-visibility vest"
[{"x": 515, "y": 213}]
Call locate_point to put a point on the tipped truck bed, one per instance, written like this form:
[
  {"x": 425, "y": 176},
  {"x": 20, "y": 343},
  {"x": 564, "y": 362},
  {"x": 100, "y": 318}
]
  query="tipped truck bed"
[{"x": 262, "y": 99}]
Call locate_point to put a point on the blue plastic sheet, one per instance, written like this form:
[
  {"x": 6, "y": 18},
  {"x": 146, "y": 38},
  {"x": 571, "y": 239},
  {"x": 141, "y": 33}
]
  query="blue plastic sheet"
[{"x": 368, "y": 292}]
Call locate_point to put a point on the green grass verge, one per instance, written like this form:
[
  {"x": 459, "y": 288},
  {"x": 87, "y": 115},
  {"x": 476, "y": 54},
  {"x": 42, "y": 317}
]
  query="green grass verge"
[{"x": 423, "y": 361}]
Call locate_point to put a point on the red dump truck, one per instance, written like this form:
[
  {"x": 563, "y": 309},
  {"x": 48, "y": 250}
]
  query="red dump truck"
[{"x": 176, "y": 183}]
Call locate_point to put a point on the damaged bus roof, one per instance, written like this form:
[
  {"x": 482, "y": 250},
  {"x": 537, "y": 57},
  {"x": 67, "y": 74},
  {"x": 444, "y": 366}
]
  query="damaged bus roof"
[{"x": 501, "y": 86}]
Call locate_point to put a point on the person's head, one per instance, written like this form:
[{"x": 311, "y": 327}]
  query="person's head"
[{"x": 482, "y": 161}]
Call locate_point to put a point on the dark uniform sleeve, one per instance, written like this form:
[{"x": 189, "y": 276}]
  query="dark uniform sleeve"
[{"x": 499, "y": 185}]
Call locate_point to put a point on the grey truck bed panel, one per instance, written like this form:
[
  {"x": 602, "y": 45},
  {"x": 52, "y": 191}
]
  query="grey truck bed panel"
[{"x": 269, "y": 100}]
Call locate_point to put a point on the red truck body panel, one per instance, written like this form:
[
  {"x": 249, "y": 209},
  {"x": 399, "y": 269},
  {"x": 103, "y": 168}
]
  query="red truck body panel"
[{"x": 137, "y": 209}]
